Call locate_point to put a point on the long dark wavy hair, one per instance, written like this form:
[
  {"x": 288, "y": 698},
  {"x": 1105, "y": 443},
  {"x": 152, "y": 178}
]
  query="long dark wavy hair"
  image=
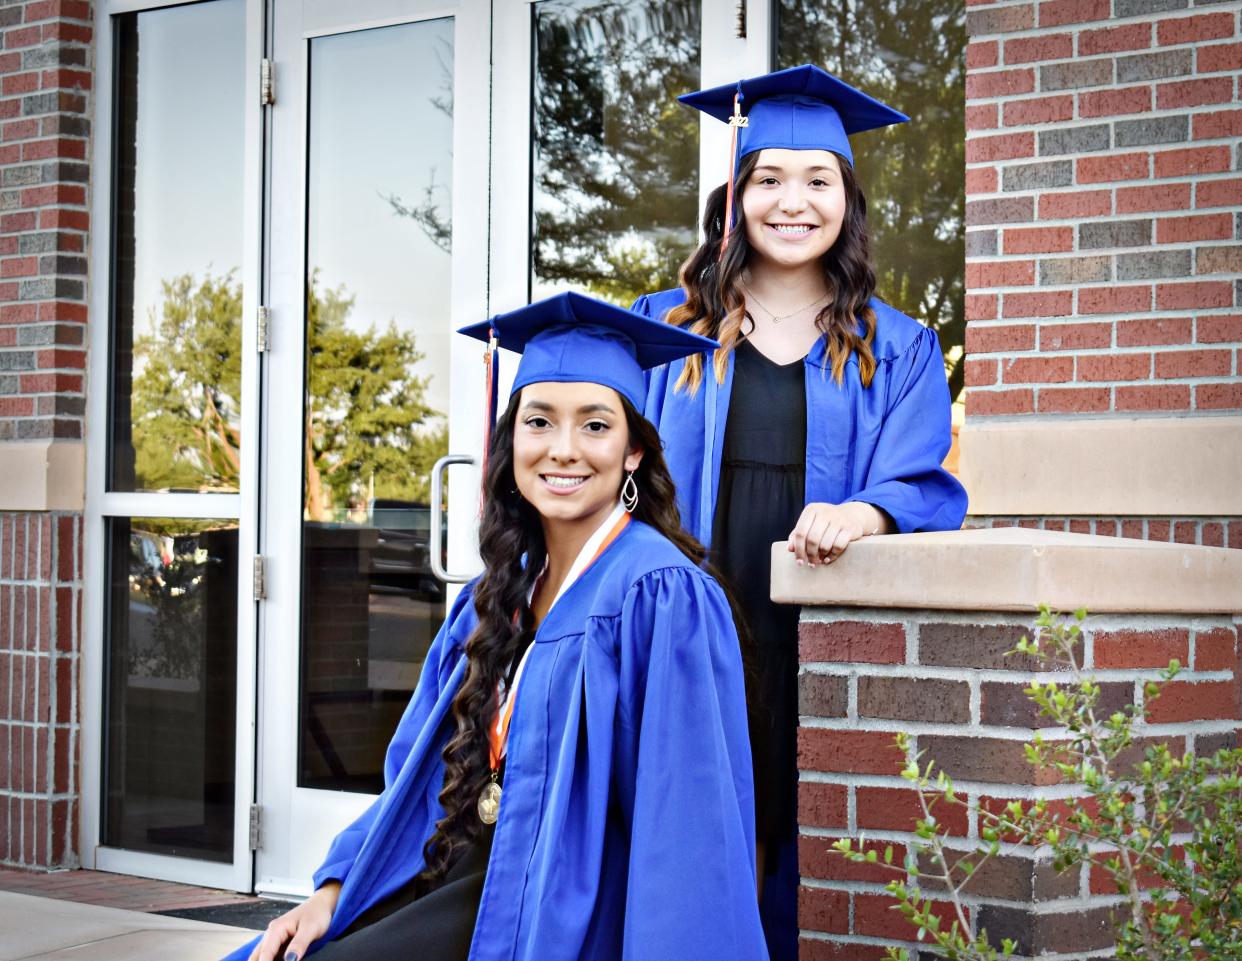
[
  {"x": 715, "y": 299},
  {"x": 510, "y": 529}
]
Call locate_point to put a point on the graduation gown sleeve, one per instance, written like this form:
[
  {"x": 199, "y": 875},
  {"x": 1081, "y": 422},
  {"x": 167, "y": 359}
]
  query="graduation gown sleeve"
[
  {"x": 903, "y": 475},
  {"x": 683, "y": 775}
]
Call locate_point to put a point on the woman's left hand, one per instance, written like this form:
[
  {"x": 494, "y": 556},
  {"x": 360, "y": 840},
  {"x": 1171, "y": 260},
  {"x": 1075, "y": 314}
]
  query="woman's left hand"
[{"x": 824, "y": 531}]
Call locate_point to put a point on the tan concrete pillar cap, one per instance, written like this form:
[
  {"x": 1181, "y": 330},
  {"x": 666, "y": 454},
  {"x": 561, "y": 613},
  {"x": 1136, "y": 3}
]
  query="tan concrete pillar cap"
[{"x": 1016, "y": 569}]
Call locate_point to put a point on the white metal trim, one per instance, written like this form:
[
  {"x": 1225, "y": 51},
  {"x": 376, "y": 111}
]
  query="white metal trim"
[
  {"x": 90, "y": 703},
  {"x": 208, "y": 874},
  {"x": 279, "y": 509},
  {"x": 402, "y": 11},
  {"x": 473, "y": 83},
  {"x": 112, "y": 8},
  {"x": 248, "y": 543},
  {"x": 156, "y": 504},
  {"x": 510, "y": 173}
]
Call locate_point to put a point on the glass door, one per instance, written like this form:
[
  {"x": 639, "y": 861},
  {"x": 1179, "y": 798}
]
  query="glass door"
[
  {"x": 378, "y": 216},
  {"x": 432, "y": 163},
  {"x": 167, "y": 713}
]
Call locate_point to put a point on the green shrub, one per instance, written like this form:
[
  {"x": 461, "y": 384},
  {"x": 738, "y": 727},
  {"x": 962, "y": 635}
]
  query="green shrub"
[{"x": 1164, "y": 827}]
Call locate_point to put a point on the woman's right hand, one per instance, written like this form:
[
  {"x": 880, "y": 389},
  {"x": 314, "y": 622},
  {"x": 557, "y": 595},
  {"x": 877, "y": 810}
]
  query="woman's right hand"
[{"x": 299, "y": 927}]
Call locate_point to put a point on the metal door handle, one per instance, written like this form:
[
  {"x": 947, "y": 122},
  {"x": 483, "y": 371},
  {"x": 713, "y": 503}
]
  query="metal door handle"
[{"x": 436, "y": 534}]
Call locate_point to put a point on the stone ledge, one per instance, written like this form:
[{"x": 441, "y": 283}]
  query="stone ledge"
[
  {"x": 44, "y": 475},
  {"x": 1145, "y": 466},
  {"x": 1016, "y": 569}
]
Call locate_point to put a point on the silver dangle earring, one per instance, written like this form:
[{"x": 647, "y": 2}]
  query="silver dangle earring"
[{"x": 629, "y": 493}]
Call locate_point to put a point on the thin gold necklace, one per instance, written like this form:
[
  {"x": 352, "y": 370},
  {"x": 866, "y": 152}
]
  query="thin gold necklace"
[{"x": 775, "y": 319}]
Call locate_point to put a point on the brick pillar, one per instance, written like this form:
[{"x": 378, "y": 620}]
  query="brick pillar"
[
  {"x": 918, "y": 652},
  {"x": 1104, "y": 244},
  {"x": 40, "y": 614},
  {"x": 45, "y": 82}
]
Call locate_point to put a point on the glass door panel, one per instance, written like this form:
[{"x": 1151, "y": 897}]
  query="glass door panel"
[
  {"x": 377, "y": 362},
  {"x": 614, "y": 185},
  {"x": 178, "y": 232},
  {"x": 168, "y": 774},
  {"x": 171, "y": 694},
  {"x": 378, "y": 164}
]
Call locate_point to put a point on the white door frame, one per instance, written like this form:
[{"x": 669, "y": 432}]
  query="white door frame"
[{"x": 102, "y": 504}]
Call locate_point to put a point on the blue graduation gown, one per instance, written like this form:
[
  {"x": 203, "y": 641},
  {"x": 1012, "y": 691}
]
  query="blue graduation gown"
[
  {"x": 882, "y": 444},
  {"x": 626, "y": 830}
]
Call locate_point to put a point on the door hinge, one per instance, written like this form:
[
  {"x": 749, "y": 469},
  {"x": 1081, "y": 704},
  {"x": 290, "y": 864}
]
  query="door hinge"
[
  {"x": 256, "y": 827},
  {"x": 267, "y": 82},
  {"x": 263, "y": 327},
  {"x": 260, "y": 578}
]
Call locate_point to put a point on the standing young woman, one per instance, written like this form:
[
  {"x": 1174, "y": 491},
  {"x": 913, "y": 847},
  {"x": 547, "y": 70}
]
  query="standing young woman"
[
  {"x": 572, "y": 779},
  {"x": 823, "y": 416}
]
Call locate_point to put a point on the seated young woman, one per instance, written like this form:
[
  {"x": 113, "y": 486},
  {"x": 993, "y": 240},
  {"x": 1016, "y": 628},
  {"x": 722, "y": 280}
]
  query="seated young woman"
[{"x": 572, "y": 778}]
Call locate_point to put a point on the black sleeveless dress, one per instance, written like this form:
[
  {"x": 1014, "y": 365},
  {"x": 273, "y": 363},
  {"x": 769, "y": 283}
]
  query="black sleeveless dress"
[{"x": 761, "y": 496}]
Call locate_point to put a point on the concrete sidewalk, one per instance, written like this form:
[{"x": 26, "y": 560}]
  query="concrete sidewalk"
[{"x": 46, "y": 929}]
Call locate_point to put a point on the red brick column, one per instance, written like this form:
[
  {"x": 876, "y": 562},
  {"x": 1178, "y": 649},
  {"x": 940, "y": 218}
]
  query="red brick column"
[
  {"x": 943, "y": 677},
  {"x": 1104, "y": 215},
  {"x": 46, "y": 64},
  {"x": 1208, "y": 531},
  {"x": 40, "y": 614}
]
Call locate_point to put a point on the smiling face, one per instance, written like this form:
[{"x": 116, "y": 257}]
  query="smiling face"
[
  {"x": 571, "y": 447},
  {"x": 794, "y": 205}
]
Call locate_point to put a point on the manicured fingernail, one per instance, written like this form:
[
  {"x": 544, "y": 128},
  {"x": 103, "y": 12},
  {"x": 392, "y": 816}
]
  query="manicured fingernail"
[{"x": 291, "y": 956}]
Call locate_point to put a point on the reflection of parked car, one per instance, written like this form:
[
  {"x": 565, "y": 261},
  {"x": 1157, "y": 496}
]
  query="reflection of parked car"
[
  {"x": 399, "y": 561},
  {"x": 146, "y": 565}
]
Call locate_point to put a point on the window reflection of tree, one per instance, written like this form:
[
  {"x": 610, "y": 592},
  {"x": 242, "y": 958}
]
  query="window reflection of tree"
[
  {"x": 616, "y": 157},
  {"x": 911, "y": 54},
  {"x": 369, "y": 433},
  {"x": 433, "y": 211}
]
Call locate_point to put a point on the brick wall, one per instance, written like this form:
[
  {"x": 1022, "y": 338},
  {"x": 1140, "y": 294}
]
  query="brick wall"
[
  {"x": 45, "y": 79},
  {"x": 1207, "y": 531},
  {"x": 46, "y": 62},
  {"x": 943, "y": 678},
  {"x": 1104, "y": 208},
  {"x": 1104, "y": 212},
  {"x": 40, "y": 603}
]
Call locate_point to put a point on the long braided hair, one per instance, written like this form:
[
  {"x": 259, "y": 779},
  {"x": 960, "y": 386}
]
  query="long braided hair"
[
  {"x": 715, "y": 298},
  {"x": 509, "y": 531}
]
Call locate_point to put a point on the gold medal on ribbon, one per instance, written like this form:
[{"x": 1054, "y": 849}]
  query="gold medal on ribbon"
[
  {"x": 498, "y": 730},
  {"x": 489, "y": 802}
]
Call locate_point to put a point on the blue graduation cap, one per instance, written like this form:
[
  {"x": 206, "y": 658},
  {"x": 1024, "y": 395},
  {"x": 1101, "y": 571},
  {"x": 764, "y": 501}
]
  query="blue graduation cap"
[
  {"x": 802, "y": 108},
  {"x": 571, "y": 337}
]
